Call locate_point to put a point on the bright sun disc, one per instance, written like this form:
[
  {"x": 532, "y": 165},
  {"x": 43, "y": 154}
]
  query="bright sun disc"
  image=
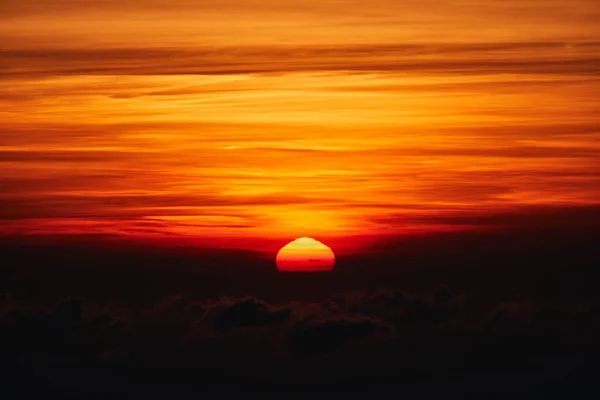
[{"x": 305, "y": 254}]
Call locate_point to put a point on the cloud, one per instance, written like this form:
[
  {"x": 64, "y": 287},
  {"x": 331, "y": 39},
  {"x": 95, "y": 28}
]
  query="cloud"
[
  {"x": 475, "y": 59},
  {"x": 68, "y": 313},
  {"x": 526, "y": 216},
  {"x": 322, "y": 335},
  {"x": 356, "y": 335},
  {"x": 534, "y": 216},
  {"x": 249, "y": 311},
  {"x": 443, "y": 295},
  {"x": 183, "y": 145}
]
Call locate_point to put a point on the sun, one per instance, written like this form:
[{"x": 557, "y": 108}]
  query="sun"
[{"x": 305, "y": 254}]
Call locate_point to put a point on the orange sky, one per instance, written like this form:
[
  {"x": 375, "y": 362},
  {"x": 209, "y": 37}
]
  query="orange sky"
[{"x": 265, "y": 119}]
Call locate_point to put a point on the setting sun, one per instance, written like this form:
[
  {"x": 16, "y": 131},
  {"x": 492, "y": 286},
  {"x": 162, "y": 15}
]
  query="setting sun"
[{"x": 305, "y": 254}]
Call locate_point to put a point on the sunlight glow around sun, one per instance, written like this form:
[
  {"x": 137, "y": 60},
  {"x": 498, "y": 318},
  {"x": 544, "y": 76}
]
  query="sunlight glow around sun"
[{"x": 305, "y": 254}]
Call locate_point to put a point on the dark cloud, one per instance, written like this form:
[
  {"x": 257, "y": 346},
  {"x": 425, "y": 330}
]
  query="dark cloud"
[
  {"x": 354, "y": 335},
  {"x": 62, "y": 8},
  {"x": 326, "y": 335},
  {"x": 79, "y": 156},
  {"x": 443, "y": 295},
  {"x": 68, "y": 313},
  {"x": 517, "y": 152},
  {"x": 249, "y": 311},
  {"x": 475, "y": 59},
  {"x": 519, "y": 217},
  {"x": 138, "y": 209},
  {"x": 497, "y": 87},
  {"x": 533, "y": 216}
]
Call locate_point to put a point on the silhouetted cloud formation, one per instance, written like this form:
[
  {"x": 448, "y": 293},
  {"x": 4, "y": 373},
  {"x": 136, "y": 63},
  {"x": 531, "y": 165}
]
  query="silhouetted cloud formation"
[
  {"x": 249, "y": 311},
  {"x": 327, "y": 334},
  {"x": 85, "y": 330},
  {"x": 520, "y": 345}
]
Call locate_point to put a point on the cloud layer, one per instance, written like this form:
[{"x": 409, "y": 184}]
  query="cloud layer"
[
  {"x": 245, "y": 118},
  {"x": 371, "y": 337}
]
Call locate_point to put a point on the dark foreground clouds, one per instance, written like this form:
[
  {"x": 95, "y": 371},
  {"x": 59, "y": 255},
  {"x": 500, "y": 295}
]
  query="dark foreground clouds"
[{"x": 440, "y": 342}]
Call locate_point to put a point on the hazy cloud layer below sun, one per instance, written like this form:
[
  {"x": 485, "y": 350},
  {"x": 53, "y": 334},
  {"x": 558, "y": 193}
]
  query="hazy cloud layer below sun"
[{"x": 237, "y": 118}]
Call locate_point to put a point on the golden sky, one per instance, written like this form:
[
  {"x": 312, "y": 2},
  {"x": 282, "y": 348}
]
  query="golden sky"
[{"x": 256, "y": 118}]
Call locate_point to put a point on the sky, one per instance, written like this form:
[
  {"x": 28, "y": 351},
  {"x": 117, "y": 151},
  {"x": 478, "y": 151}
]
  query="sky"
[{"x": 260, "y": 119}]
